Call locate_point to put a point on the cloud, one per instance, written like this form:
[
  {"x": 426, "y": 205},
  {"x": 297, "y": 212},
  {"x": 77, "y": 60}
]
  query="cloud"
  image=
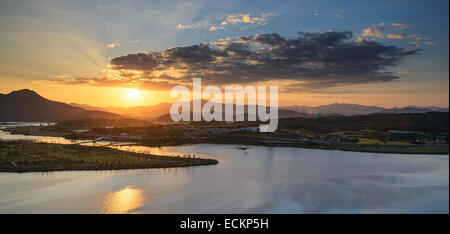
[
  {"x": 198, "y": 25},
  {"x": 231, "y": 19},
  {"x": 111, "y": 45},
  {"x": 408, "y": 72},
  {"x": 363, "y": 40},
  {"x": 246, "y": 18},
  {"x": 398, "y": 36},
  {"x": 370, "y": 32},
  {"x": 394, "y": 31},
  {"x": 419, "y": 41},
  {"x": 122, "y": 42},
  {"x": 414, "y": 43},
  {"x": 214, "y": 28},
  {"x": 310, "y": 61},
  {"x": 399, "y": 25},
  {"x": 384, "y": 26},
  {"x": 181, "y": 26}
]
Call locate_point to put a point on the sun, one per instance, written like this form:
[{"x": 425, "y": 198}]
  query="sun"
[{"x": 133, "y": 94}]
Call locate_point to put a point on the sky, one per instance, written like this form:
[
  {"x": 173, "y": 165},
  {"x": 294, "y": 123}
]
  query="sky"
[{"x": 384, "y": 53}]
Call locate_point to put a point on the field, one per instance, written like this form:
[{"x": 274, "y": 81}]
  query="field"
[{"x": 368, "y": 141}]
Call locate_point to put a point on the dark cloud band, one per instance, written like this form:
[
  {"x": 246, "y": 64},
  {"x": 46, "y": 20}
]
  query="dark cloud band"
[{"x": 309, "y": 61}]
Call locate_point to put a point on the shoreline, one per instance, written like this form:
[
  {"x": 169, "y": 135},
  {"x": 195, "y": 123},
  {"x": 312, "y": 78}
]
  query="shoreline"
[
  {"x": 439, "y": 149},
  {"x": 87, "y": 167},
  {"x": 25, "y": 156},
  {"x": 362, "y": 148}
]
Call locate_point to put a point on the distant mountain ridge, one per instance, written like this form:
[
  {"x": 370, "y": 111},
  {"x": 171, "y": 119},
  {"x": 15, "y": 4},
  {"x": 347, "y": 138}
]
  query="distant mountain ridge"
[
  {"x": 436, "y": 122},
  {"x": 281, "y": 114},
  {"x": 142, "y": 112},
  {"x": 27, "y": 105},
  {"x": 356, "y": 109},
  {"x": 160, "y": 111}
]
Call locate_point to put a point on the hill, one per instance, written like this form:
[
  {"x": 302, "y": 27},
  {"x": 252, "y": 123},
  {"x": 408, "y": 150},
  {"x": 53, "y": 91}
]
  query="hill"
[
  {"x": 425, "y": 122},
  {"x": 27, "y": 105},
  {"x": 355, "y": 109},
  {"x": 160, "y": 111},
  {"x": 282, "y": 113}
]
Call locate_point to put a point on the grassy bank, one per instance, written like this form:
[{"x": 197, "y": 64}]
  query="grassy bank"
[
  {"x": 372, "y": 148},
  {"x": 36, "y": 131},
  {"x": 379, "y": 148},
  {"x": 23, "y": 156}
]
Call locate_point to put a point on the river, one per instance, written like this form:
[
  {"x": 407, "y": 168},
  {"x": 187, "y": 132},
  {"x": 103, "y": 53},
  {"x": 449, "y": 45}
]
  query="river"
[{"x": 248, "y": 179}]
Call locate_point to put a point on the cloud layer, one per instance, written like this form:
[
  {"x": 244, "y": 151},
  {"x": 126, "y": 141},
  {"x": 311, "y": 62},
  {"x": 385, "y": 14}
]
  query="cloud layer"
[
  {"x": 310, "y": 61},
  {"x": 394, "y": 31},
  {"x": 232, "y": 19}
]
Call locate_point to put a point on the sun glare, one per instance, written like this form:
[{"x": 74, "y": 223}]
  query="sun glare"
[
  {"x": 133, "y": 94},
  {"x": 123, "y": 201}
]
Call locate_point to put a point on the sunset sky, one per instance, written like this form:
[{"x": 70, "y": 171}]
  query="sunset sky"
[{"x": 385, "y": 53}]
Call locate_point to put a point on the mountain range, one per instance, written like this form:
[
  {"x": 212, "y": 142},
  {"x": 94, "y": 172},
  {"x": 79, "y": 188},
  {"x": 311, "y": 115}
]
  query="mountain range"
[
  {"x": 161, "y": 110},
  {"x": 355, "y": 109},
  {"x": 27, "y": 105}
]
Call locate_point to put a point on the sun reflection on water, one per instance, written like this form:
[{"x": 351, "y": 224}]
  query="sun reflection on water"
[{"x": 124, "y": 201}]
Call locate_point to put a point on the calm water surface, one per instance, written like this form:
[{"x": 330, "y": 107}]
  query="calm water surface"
[{"x": 257, "y": 179}]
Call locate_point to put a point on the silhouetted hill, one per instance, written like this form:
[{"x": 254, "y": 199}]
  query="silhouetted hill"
[
  {"x": 87, "y": 107},
  {"x": 424, "y": 122},
  {"x": 27, "y": 105},
  {"x": 102, "y": 123},
  {"x": 355, "y": 109},
  {"x": 335, "y": 109},
  {"x": 282, "y": 113},
  {"x": 142, "y": 112},
  {"x": 414, "y": 109},
  {"x": 91, "y": 114}
]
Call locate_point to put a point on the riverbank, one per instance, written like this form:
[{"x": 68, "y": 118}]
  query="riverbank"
[
  {"x": 25, "y": 156},
  {"x": 244, "y": 139},
  {"x": 441, "y": 149}
]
